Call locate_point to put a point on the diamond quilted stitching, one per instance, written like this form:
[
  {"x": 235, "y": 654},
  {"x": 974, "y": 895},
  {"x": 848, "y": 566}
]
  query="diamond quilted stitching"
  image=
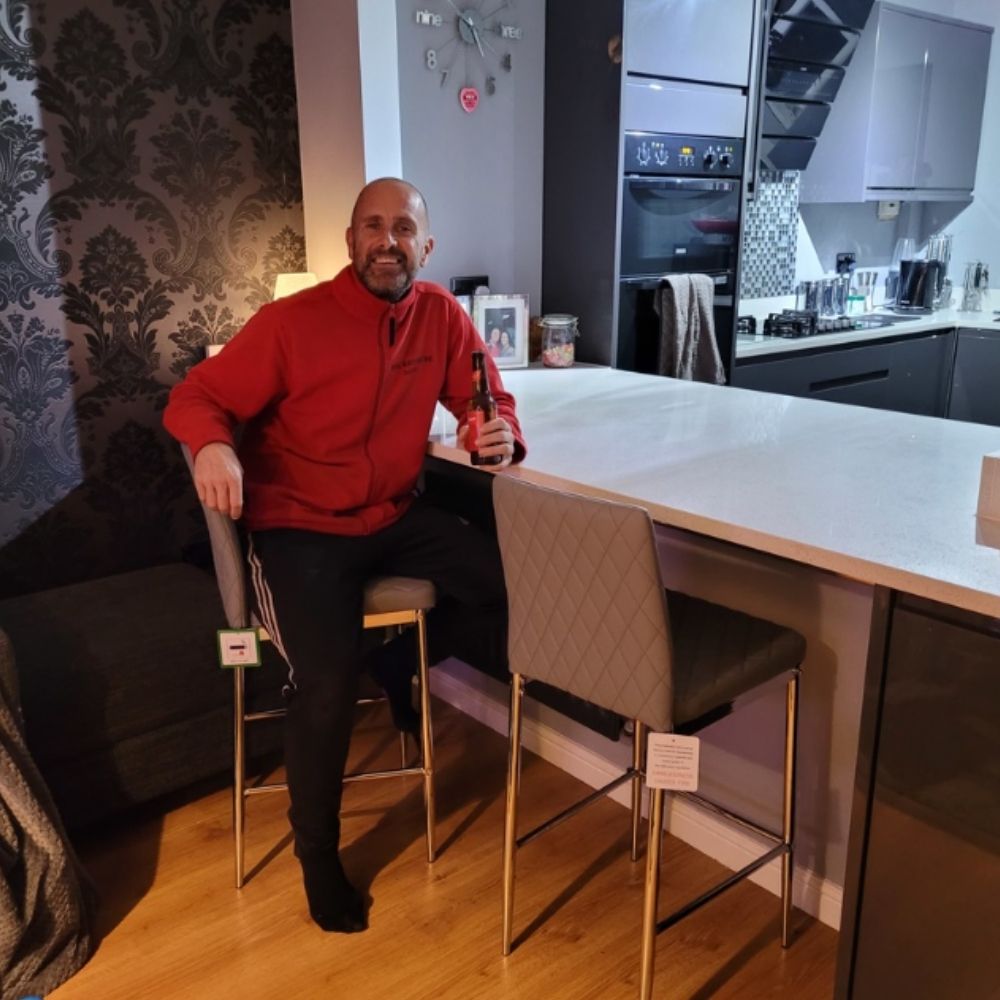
[{"x": 588, "y": 613}]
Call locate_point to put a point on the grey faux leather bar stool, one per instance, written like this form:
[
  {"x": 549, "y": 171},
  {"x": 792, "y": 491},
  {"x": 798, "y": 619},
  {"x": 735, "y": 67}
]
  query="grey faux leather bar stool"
[
  {"x": 393, "y": 601},
  {"x": 589, "y": 615}
]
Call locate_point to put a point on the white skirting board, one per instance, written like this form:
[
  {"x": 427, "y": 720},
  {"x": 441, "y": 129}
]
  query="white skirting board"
[{"x": 485, "y": 700}]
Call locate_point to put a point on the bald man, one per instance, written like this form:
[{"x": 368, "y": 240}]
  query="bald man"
[{"x": 335, "y": 388}]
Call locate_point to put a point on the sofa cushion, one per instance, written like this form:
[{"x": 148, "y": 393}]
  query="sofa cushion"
[{"x": 108, "y": 660}]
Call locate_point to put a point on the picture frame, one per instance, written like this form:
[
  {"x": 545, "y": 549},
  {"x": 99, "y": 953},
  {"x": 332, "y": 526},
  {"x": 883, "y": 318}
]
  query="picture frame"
[{"x": 502, "y": 322}]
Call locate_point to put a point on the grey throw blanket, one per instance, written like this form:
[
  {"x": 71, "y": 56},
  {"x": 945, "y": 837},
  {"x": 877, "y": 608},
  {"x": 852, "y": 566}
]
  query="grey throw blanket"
[
  {"x": 688, "y": 348},
  {"x": 45, "y": 911}
]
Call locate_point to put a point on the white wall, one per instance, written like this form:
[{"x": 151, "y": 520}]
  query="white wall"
[
  {"x": 331, "y": 142},
  {"x": 976, "y": 227}
]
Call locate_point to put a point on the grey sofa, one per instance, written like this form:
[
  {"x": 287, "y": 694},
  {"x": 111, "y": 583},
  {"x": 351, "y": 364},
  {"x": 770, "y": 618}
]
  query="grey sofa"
[{"x": 121, "y": 689}]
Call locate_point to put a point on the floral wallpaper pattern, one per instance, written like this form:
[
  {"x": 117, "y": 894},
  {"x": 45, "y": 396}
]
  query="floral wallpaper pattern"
[{"x": 149, "y": 193}]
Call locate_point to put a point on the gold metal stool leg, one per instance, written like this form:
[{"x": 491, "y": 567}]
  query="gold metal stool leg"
[
  {"x": 638, "y": 738},
  {"x": 651, "y": 898},
  {"x": 510, "y": 813},
  {"x": 239, "y": 771},
  {"x": 788, "y": 806},
  {"x": 426, "y": 736}
]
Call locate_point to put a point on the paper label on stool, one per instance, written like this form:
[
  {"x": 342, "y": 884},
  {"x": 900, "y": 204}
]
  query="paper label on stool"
[
  {"x": 238, "y": 647},
  {"x": 672, "y": 762}
]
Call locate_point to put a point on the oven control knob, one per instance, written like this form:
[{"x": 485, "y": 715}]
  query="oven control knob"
[
  {"x": 726, "y": 160},
  {"x": 660, "y": 155},
  {"x": 709, "y": 160},
  {"x": 642, "y": 154}
]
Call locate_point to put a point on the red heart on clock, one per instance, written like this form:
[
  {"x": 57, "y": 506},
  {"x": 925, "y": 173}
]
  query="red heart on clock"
[{"x": 469, "y": 98}]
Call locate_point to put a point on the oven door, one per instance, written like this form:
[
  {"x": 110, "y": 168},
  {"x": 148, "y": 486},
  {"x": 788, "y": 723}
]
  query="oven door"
[
  {"x": 639, "y": 323},
  {"x": 674, "y": 225}
]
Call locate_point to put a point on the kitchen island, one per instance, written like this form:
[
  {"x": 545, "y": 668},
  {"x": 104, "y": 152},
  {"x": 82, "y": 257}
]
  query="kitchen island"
[{"x": 820, "y": 517}]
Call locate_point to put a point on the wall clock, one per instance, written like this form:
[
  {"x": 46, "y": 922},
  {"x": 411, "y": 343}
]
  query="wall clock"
[{"x": 470, "y": 46}]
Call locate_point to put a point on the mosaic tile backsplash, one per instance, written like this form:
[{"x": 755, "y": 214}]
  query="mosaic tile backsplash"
[{"x": 769, "y": 236}]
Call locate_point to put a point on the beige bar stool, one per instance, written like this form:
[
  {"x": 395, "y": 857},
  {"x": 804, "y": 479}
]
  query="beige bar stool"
[
  {"x": 589, "y": 615},
  {"x": 394, "y": 601}
]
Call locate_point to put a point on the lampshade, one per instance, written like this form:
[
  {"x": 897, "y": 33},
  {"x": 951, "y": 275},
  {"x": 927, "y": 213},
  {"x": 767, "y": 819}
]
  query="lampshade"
[{"x": 287, "y": 284}]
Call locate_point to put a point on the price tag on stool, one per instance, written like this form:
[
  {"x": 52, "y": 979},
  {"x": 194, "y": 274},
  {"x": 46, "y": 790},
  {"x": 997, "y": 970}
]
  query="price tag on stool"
[
  {"x": 672, "y": 762},
  {"x": 239, "y": 647}
]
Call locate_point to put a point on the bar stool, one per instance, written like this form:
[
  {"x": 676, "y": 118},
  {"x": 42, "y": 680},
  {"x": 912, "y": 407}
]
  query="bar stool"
[
  {"x": 589, "y": 615},
  {"x": 394, "y": 601}
]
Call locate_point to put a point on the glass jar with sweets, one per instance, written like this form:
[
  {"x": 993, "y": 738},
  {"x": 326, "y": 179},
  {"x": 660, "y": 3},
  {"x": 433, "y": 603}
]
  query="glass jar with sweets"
[{"x": 559, "y": 334}]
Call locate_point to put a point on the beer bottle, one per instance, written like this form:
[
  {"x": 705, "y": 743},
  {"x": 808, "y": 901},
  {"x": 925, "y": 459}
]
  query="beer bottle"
[{"x": 482, "y": 409}]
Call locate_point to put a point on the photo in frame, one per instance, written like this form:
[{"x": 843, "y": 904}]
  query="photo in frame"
[{"x": 502, "y": 322}]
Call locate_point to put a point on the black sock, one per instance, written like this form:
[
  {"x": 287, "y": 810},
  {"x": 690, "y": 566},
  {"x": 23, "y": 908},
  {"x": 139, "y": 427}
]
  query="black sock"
[
  {"x": 393, "y": 667},
  {"x": 333, "y": 902}
]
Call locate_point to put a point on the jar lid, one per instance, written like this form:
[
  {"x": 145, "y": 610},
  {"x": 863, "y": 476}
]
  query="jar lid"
[{"x": 558, "y": 319}]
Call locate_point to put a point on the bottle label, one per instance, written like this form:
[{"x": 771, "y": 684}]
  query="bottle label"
[{"x": 476, "y": 420}]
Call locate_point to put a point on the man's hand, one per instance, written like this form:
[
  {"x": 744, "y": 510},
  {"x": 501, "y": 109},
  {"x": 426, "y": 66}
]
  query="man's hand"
[
  {"x": 495, "y": 438},
  {"x": 218, "y": 478}
]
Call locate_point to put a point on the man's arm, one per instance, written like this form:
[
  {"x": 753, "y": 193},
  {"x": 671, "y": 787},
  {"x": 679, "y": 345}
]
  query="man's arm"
[
  {"x": 218, "y": 394},
  {"x": 498, "y": 437}
]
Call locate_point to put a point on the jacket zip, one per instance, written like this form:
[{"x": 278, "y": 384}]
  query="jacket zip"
[{"x": 378, "y": 399}]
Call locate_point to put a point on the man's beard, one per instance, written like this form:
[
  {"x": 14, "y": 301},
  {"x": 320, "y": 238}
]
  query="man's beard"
[{"x": 389, "y": 287}]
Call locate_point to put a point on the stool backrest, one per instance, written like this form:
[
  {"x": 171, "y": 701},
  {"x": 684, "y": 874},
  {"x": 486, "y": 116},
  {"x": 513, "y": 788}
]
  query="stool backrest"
[
  {"x": 227, "y": 555},
  {"x": 588, "y": 611}
]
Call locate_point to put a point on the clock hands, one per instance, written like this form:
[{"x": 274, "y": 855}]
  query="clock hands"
[
  {"x": 479, "y": 44},
  {"x": 470, "y": 22},
  {"x": 465, "y": 17}
]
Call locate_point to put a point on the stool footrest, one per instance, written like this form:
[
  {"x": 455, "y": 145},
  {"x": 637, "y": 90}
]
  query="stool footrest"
[
  {"x": 396, "y": 772},
  {"x": 271, "y": 713},
  {"x": 695, "y": 904},
  {"x": 749, "y": 824},
  {"x": 575, "y": 808},
  {"x": 274, "y": 786}
]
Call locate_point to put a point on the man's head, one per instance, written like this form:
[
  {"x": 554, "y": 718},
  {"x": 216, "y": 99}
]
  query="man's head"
[{"x": 389, "y": 238}]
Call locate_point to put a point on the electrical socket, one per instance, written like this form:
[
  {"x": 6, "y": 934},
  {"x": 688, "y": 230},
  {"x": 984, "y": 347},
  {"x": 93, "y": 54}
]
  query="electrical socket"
[
  {"x": 846, "y": 262},
  {"x": 888, "y": 210}
]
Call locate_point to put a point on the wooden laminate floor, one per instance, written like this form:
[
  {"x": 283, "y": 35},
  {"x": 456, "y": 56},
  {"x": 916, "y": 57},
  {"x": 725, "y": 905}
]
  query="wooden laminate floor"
[{"x": 175, "y": 927}]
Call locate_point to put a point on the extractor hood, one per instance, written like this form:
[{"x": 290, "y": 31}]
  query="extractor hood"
[{"x": 810, "y": 44}]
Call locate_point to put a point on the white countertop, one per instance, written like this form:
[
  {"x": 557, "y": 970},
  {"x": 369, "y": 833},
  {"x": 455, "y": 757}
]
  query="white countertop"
[
  {"x": 943, "y": 319},
  {"x": 885, "y": 498}
]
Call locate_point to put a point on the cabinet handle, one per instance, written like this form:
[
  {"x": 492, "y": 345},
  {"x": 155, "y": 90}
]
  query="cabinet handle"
[{"x": 837, "y": 383}]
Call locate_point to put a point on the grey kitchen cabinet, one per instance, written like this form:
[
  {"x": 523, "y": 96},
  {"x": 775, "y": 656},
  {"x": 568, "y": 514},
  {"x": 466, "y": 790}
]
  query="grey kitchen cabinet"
[
  {"x": 906, "y": 123},
  {"x": 898, "y": 88},
  {"x": 909, "y": 375},
  {"x": 923, "y": 871},
  {"x": 712, "y": 30},
  {"x": 975, "y": 388},
  {"x": 955, "y": 84}
]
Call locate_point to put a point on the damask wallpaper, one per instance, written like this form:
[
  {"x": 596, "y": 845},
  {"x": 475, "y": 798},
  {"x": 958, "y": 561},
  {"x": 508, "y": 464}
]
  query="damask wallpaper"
[{"x": 150, "y": 192}]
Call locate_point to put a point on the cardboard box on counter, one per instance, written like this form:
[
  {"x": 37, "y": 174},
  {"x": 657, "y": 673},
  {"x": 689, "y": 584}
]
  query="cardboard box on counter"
[{"x": 989, "y": 488}]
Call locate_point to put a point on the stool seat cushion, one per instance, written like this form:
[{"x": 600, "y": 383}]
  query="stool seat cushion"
[
  {"x": 398, "y": 593},
  {"x": 720, "y": 654}
]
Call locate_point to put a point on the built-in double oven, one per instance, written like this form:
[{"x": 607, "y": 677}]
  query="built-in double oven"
[{"x": 680, "y": 214}]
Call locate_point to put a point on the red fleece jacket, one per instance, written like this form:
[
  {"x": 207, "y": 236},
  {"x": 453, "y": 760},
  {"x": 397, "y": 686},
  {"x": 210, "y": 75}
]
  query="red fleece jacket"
[{"x": 337, "y": 390}]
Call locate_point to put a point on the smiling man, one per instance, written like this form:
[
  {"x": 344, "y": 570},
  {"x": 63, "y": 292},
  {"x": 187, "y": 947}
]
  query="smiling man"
[
  {"x": 335, "y": 388},
  {"x": 389, "y": 238}
]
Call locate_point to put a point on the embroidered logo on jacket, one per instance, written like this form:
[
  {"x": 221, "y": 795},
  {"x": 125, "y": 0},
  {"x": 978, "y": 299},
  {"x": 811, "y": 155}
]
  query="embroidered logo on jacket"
[{"x": 407, "y": 366}]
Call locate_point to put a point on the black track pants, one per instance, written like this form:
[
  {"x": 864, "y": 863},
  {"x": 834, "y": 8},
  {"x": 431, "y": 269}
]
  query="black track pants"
[{"x": 309, "y": 588}]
